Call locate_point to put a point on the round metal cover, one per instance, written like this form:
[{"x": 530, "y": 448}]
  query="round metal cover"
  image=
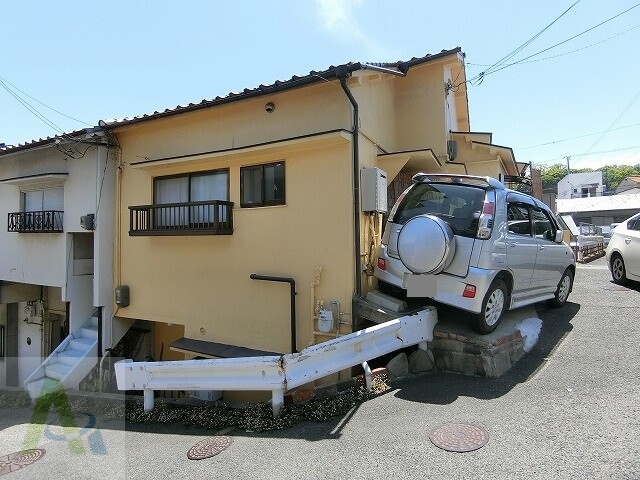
[
  {"x": 16, "y": 461},
  {"x": 459, "y": 437},
  {"x": 426, "y": 244},
  {"x": 209, "y": 447}
]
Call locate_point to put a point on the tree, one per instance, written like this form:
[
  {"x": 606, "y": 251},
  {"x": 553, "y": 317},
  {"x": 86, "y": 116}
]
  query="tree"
[{"x": 612, "y": 175}]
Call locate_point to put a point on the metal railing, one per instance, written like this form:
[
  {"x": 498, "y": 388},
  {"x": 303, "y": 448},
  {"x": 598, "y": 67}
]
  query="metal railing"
[
  {"x": 274, "y": 373},
  {"x": 212, "y": 217},
  {"x": 47, "y": 221}
]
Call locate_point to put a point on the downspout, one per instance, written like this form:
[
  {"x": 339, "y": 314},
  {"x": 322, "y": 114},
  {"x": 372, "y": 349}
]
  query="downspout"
[{"x": 342, "y": 74}]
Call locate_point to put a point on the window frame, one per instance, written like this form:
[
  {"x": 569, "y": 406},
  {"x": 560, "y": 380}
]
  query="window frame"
[
  {"x": 262, "y": 202},
  {"x": 189, "y": 176}
]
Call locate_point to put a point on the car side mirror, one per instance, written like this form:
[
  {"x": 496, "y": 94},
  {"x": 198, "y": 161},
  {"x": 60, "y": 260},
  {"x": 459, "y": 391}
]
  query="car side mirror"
[{"x": 559, "y": 236}]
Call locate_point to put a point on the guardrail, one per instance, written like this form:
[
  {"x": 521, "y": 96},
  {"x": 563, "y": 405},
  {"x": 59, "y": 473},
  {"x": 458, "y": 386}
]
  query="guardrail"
[{"x": 277, "y": 373}]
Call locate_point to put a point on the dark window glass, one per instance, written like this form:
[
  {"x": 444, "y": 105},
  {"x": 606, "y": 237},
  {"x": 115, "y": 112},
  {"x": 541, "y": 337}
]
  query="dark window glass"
[{"x": 262, "y": 185}]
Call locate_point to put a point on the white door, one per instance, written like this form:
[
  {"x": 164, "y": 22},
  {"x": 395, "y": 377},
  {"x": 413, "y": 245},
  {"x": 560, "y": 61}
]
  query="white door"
[{"x": 522, "y": 246}]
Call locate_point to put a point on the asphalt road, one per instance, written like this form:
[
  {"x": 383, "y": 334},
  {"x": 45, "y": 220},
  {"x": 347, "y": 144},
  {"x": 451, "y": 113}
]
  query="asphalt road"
[{"x": 569, "y": 409}]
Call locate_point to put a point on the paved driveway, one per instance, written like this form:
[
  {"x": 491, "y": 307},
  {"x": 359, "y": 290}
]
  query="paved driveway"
[{"x": 570, "y": 409}]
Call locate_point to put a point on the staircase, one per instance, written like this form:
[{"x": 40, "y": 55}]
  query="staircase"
[{"x": 68, "y": 364}]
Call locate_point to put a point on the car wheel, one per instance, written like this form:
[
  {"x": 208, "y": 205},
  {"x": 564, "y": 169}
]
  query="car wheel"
[
  {"x": 563, "y": 290},
  {"x": 493, "y": 306},
  {"x": 618, "y": 270}
]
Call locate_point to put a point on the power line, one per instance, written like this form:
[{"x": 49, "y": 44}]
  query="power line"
[
  {"x": 491, "y": 69},
  {"x": 574, "y": 138},
  {"x": 5, "y": 85},
  {"x": 615, "y": 121},
  {"x": 30, "y": 108},
  {"x": 565, "y": 53},
  {"x": 588, "y": 153}
]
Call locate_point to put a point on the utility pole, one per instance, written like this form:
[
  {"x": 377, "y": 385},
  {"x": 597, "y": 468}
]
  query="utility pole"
[{"x": 568, "y": 168}]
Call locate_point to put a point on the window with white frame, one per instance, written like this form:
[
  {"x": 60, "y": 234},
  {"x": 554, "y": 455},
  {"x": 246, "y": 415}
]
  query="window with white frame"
[
  {"x": 50, "y": 199},
  {"x": 262, "y": 185}
]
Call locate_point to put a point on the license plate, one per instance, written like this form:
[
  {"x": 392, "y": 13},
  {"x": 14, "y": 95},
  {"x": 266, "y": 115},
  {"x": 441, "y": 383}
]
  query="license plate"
[{"x": 421, "y": 286}]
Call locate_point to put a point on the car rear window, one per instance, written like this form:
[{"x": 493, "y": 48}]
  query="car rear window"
[{"x": 458, "y": 205}]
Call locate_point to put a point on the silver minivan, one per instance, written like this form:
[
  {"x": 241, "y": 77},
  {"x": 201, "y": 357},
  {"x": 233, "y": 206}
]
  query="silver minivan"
[{"x": 469, "y": 242}]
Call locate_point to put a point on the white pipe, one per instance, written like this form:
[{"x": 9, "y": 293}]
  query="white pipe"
[{"x": 108, "y": 352}]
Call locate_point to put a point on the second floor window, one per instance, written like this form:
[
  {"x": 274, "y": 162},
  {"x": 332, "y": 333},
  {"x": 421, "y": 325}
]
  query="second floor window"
[
  {"x": 262, "y": 185},
  {"x": 43, "y": 200},
  {"x": 189, "y": 189}
]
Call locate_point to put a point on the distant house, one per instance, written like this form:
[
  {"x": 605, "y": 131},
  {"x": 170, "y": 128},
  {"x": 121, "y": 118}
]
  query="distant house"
[
  {"x": 629, "y": 185},
  {"x": 581, "y": 185}
]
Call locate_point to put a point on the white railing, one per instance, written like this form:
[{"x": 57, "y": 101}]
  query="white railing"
[{"x": 277, "y": 373}]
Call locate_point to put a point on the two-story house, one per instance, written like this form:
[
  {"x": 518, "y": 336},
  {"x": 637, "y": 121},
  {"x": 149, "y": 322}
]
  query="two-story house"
[
  {"x": 244, "y": 220},
  {"x": 239, "y": 225},
  {"x": 56, "y": 274}
]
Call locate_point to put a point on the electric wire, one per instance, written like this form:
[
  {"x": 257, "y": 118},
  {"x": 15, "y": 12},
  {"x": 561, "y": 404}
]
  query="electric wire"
[
  {"x": 489, "y": 70},
  {"x": 30, "y": 108},
  {"x": 562, "y": 54},
  {"x": 574, "y": 138},
  {"x": 4, "y": 80},
  {"x": 493, "y": 68},
  {"x": 633, "y": 100}
]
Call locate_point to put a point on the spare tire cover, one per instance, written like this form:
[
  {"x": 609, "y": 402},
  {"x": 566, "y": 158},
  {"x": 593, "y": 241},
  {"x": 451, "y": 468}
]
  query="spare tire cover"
[{"x": 426, "y": 244}]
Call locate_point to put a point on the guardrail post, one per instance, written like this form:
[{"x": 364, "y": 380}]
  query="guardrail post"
[
  {"x": 277, "y": 401},
  {"x": 148, "y": 400}
]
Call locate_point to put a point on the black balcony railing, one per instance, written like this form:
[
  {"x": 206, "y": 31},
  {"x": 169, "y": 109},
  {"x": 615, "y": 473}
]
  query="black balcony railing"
[
  {"x": 48, "y": 221},
  {"x": 212, "y": 217}
]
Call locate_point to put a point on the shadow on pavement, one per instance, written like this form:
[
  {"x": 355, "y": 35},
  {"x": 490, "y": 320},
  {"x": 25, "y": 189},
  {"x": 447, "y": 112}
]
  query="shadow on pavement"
[{"x": 445, "y": 388}]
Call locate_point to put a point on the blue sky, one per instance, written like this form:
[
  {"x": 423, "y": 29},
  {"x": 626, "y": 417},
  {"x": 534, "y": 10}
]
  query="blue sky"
[{"x": 102, "y": 60}]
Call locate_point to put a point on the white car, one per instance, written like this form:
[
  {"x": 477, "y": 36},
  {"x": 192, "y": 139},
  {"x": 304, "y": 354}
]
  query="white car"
[
  {"x": 623, "y": 251},
  {"x": 471, "y": 243}
]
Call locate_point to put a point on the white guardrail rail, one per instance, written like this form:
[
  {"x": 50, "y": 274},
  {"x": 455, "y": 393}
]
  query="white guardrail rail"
[{"x": 278, "y": 373}]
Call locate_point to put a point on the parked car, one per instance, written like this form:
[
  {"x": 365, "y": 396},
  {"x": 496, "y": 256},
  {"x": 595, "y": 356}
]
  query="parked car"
[
  {"x": 623, "y": 251},
  {"x": 471, "y": 243}
]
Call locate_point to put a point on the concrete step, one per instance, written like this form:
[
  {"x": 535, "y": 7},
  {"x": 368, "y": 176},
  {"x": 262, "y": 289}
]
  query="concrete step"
[
  {"x": 57, "y": 370},
  {"x": 70, "y": 357},
  {"x": 81, "y": 344},
  {"x": 89, "y": 331}
]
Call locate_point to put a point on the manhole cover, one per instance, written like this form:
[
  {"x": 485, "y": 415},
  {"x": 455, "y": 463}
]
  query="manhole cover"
[
  {"x": 209, "y": 447},
  {"x": 15, "y": 461},
  {"x": 459, "y": 437}
]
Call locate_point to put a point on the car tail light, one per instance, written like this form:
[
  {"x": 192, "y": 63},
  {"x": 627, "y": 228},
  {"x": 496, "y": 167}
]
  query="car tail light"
[
  {"x": 382, "y": 264},
  {"x": 469, "y": 291},
  {"x": 485, "y": 222}
]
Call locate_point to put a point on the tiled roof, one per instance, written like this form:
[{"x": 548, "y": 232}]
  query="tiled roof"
[{"x": 277, "y": 86}]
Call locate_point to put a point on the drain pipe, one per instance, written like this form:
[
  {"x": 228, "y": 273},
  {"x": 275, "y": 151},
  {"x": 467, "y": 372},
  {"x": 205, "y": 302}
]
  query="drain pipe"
[
  {"x": 292, "y": 283},
  {"x": 342, "y": 73}
]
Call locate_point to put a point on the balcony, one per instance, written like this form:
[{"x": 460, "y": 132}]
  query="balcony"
[
  {"x": 48, "y": 221},
  {"x": 212, "y": 217}
]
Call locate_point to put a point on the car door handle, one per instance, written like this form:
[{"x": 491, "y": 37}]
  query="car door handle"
[{"x": 541, "y": 247}]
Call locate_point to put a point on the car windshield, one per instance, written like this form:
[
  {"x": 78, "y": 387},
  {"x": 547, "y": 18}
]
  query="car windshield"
[{"x": 458, "y": 205}]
